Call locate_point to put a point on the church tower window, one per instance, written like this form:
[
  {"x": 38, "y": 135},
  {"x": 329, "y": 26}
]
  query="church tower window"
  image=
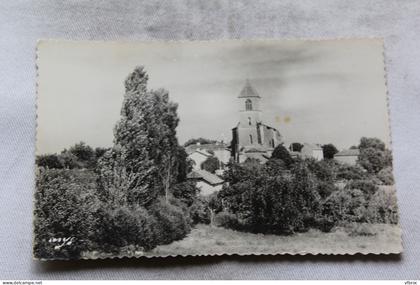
[
  {"x": 248, "y": 105},
  {"x": 249, "y": 120},
  {"x": 250, "y": 139}
]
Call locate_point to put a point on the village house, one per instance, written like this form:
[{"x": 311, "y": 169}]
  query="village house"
[
  {"x": 207, "y": 183},
  {"x": 308, "y": 150},
  {"x": 251, "y": 138},
  {"x": 312, "y": 150},
  {"x": 348, "y": 156},
  {"x": 199, "y": 153}
]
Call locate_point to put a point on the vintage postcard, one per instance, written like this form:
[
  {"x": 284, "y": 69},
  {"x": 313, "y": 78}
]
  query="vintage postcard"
[{"x": 213, "y": 147}]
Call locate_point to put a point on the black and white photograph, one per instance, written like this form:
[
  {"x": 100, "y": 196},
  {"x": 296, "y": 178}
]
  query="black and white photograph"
[{"x": 191, "y": 148}]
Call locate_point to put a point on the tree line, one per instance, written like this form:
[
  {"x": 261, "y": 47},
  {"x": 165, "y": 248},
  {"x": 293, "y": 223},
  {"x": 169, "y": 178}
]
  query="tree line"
[{"x": 287, "y": 195}]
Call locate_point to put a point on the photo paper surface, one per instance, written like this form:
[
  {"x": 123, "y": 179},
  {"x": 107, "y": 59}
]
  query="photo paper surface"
[{"x": 213, "y": 147}]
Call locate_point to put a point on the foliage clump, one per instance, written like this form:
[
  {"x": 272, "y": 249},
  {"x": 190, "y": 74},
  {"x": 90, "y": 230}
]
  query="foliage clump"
[
  {"x": 65, "y": 201},
  {"x": 211, "y": 164},
  {"x": 199, "y": 140},
  {"x": 132, "y": 194},
  {"x": 256, "y": 201},
  {"x": 287, "y": 195}
]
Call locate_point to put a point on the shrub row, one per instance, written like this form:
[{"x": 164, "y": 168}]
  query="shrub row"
[{"x": 67, "y": 206}]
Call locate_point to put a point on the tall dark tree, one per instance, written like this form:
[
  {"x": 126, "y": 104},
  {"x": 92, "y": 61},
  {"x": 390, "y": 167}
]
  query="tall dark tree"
[
  {"x": 329, "y": 150},
  {"x": 84, "y": 154},
  {"x": 99, "y": 151},
  {"x": 373, "y": 155},
  {"x": 280, "y": 152},
  {"x": 296, "y": 146},
  {"x": 211, "y": 164},
  {"x": 49, "y": 161},
  {"x": 145, "y": 140},
  {"x": 371, "y": 143},
  {"x": 82, "y": 151},
  {"x": 184, "y": 164}
]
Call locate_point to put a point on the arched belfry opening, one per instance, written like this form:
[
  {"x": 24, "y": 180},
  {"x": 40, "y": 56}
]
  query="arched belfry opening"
[{"x": 248, "y": 105}]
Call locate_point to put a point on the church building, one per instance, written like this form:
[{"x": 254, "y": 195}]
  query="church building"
[{"x": 251, "y": 138}]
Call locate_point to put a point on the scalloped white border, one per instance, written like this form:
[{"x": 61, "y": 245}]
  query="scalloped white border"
[{"x": 153, "y": 41}]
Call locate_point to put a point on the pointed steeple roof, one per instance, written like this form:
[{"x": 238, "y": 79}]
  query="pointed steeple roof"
[{"x": 248, "y": 91}]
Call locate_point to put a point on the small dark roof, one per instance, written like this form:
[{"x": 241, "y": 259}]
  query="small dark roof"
[
  {"x": 348, "y": 152},
  {"x": 210, "y": 178},
  {"x": 248, "y": 91}
]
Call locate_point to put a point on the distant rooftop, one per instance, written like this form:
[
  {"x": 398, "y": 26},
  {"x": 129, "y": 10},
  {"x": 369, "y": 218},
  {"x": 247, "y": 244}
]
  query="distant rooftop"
[
  {"x": 348, "y": 152},
  {"x": 210, "y": 178},
  {"x": 248, "y": 91}
]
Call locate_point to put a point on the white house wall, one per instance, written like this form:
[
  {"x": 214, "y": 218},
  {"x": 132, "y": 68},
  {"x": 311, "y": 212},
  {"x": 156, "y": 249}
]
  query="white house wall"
[
  {"x": 207, "y": 189},
  {"x": 222, "y": 155},
  {"x": 198, "y": 159}
]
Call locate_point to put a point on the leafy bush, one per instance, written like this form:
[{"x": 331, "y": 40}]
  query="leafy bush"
[
  {"x": 172, "y": 222},
  {"x": 368, "y": 187},
  {"x": 49, "y": 161},
  {"x": 78, "y": 156},
  {"x": 350, "y": 172},
  {"x": 280, "y": 152},
  {"x": 186, "y": 192},
  {"x": 382, "y": 207},
  {"x": 325, "y": 189},
  {"x": 386, "y": 176},
  {"x": 199, "y": 140},
  {"x": 84, "y": 154},
  {"x": 257, "y": 201},
  {"x": 226, "y": 220},
  {"x": 200, "y": 212},
  {"x": 373, "y": 155},
  {"x": 328, "y": 151},
  {"x": 65, "y": 204},
  {"x": 135, "y": 225},
  {"x": 324, "y": 224},
  {"x": 127, "y": 225},
  {"x": 211, "y": 164},
  {"x": 346, "y": 206},
  {"x": 373, "y": 160},
  {"x": 323, "y": 170},
  {"x": 371, "y": 143}
]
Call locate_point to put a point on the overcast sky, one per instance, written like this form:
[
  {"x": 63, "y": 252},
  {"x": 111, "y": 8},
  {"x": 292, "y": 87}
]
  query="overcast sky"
[{"x": 312, "y": 91}]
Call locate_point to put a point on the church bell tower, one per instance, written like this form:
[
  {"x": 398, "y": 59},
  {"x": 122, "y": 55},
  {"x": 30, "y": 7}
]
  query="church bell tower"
[
  {"x": 251, "y": 138},
  {"x": 250, "y": 112}
]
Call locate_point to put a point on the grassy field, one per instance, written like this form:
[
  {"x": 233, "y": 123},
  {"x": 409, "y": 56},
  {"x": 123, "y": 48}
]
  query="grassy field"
[{"x": 205, "y": 239}]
